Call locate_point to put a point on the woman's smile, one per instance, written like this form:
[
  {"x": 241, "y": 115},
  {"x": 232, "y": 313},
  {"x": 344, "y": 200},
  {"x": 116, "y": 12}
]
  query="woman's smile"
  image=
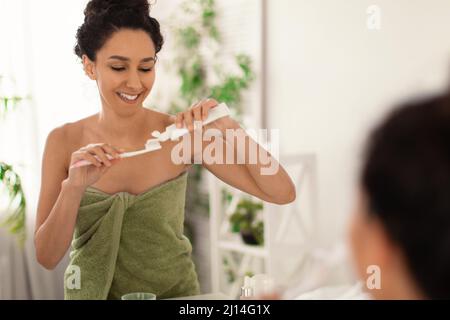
[{"x": 128, "y": 98}]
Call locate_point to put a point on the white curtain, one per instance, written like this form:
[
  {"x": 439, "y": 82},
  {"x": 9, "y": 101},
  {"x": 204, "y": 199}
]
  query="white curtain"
[{"x": 36, "y": 59}]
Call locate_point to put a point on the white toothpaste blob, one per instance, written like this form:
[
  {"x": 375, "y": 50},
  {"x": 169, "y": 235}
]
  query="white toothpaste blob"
[{"x": 151, "y": 144}]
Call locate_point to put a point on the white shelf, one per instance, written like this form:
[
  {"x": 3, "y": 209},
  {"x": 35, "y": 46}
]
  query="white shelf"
[
  {"x": 233, "y": 245},
  {"x": 287, "y": 229}
]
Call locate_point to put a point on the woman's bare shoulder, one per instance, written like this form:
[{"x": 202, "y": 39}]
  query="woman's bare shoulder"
[
  {"x": 69, "y": 134},
  {"x": 159, "y": 119}
]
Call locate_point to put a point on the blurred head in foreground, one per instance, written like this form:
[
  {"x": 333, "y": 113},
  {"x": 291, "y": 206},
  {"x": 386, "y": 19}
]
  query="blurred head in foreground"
[{"x": 400, "y": 233}]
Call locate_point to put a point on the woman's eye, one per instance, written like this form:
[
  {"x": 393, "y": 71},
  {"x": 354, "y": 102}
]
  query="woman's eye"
[{"x": 122, "y": 69}]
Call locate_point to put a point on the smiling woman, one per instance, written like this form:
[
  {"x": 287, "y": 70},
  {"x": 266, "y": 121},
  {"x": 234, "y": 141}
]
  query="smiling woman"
[
  {"x": 132, "y": 28},
  {"x": 127, "y": 75},
  {"x": 117, "y": 43},
  {"x": 124, "y": 218}
]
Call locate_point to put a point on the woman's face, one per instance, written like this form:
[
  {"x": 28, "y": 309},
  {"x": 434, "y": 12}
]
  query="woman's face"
[{"x": 124, "y": 70}]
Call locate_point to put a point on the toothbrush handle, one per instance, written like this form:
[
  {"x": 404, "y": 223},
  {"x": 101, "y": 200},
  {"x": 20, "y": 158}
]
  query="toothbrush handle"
[
  {"x": 153, "y": 146},
  {"x": 83, "y": 163}
]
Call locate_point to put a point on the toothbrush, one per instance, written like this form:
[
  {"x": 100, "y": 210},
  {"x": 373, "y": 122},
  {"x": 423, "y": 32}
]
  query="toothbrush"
[
  {"x": 171, "y": 132},
  {"x": 151, "y": 145}
]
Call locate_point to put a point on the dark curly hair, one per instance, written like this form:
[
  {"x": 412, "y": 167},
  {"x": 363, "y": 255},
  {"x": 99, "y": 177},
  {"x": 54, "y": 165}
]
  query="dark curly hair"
[
  {"x": 407, "y": 179},
  {"x": 104, "y": 17}
]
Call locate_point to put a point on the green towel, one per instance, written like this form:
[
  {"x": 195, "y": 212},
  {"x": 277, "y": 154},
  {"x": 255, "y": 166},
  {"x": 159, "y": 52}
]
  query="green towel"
[{"x": 132, "y": 243}]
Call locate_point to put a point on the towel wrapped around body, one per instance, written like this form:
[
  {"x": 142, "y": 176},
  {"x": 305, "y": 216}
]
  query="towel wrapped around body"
[{"x": 132, "y": 243}]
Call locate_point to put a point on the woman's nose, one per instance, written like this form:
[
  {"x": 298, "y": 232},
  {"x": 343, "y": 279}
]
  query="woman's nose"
[{"x": 134, "y": 82}]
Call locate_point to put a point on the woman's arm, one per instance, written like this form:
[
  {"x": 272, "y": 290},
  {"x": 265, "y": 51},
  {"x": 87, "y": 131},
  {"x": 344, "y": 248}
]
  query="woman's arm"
[
  {"x": 62, "y": 188},
  {"x": 253, "y": 177},
  {"x": 268, "y": 181},
  {"x": 58, "y": 204}
]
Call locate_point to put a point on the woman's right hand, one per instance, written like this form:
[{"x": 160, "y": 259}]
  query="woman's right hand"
[{"x": 97, "y": 155}]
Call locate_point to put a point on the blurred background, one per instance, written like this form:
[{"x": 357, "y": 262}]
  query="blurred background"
[{"x": 322, "y": 72}]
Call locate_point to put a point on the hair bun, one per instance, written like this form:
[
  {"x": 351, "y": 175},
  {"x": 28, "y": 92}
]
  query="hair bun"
[
  {"x": 104, "y": 17},
  {"x": 97, "y": 8}
]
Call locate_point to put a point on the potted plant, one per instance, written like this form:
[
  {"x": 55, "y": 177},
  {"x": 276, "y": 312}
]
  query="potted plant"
[
  {"x": 247, "y": 221},
  {"x": 10, "y": 182}
]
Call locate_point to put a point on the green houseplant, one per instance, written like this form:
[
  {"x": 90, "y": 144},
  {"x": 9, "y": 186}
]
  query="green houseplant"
[
  {"x": 10, "y": 182},
  {"x": 15, "y": 221},
  {"x": 246, "y": 220},
  {"x": 194, "y": 68}
]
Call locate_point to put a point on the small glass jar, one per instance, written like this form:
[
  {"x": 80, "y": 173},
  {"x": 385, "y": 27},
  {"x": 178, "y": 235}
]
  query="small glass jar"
[{"x": 139, "y": 296}]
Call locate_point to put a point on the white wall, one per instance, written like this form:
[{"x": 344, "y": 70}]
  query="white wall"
[
  {"x": 330, "y": 79},
  {"x": 61, "y": 91}
]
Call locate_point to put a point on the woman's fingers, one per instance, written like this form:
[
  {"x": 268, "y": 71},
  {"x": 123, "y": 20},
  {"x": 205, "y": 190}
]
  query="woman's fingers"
[
  {"x": 84, "y": 155},
  {"x": 100, "y": 153},
  {"x": 211, "y": 102},
  {"x": 179, "y": 120},
  {"x": 112, "y": 151},
  {"x": 206, "y": 105},
  {"x": 197, "y": 112},
  {"x": 204, "y": 113},
  {"x": 188, "y": 120}
]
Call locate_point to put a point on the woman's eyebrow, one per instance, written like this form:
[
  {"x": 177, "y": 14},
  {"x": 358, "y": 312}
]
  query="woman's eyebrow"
[
  {"x": 128, "y": 59},
  {"x": 148, "y": 59}
]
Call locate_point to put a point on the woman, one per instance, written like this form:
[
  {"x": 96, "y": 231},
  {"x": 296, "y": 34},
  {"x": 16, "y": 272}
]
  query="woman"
[
  {"x": 126, "y": 215},
  {"x": 400, "y": 231}
]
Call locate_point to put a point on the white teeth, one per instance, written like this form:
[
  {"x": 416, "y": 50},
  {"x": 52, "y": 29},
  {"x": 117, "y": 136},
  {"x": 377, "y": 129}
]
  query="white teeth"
[{"x": 128, "y": 97}]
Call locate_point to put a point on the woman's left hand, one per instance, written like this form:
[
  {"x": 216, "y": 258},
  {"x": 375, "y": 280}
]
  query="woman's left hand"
[{"x": 199, "y": 112}]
